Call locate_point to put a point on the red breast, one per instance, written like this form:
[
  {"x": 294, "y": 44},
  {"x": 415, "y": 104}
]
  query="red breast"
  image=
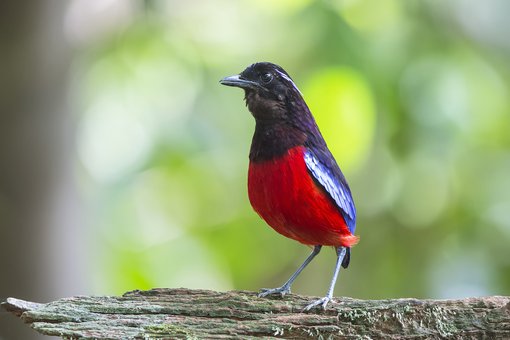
[{"x": 283, "y": 193}]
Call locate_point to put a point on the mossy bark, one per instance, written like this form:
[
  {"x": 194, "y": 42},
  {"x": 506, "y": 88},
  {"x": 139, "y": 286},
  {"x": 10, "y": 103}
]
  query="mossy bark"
[{"x": 197, "y": 314}]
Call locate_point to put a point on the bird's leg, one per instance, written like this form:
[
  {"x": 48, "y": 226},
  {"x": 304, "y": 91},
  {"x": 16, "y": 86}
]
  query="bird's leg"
[
  {"x": 285, "y": 289},
  {"x": 329, "y": 296}
]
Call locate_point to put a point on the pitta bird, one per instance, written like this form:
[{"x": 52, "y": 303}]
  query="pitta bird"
[{"x": 294, "y": 183}]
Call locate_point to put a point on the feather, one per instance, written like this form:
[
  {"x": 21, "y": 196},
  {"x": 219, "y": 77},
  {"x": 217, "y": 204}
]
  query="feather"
[{"x": 327, "y": 174}]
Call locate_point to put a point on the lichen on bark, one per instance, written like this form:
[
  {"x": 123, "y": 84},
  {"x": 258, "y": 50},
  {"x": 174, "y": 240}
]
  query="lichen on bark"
[{"x": 197, "y": 314}]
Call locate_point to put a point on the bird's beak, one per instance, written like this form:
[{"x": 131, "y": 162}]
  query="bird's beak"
[{"x": 237, "y": 81}]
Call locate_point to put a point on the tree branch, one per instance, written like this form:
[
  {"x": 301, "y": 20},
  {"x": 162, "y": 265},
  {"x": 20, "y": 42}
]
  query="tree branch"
[{"x": 185, "y": 313}]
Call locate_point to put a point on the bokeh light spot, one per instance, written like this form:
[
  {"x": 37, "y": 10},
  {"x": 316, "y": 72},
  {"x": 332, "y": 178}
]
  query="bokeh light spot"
[
  {"x": 424, "y": 192},
  {"x": 369, "y": 15},
  {"x": 282, "y": 5},
  {"x": 112, "y": 142},
  {"x": 343, "y": 105}
]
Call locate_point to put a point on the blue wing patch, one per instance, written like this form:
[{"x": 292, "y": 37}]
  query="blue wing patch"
[{"x": 333, "y": 181}]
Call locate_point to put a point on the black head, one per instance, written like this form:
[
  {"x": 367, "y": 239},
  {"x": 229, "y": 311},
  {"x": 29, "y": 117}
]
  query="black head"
[
  {"x": 269, "y": 90},
  {"x": 283, "y": 120}
]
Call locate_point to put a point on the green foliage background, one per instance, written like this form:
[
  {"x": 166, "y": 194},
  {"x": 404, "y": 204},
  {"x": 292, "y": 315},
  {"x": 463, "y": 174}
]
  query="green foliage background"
[{"x": 412, "y": 98}]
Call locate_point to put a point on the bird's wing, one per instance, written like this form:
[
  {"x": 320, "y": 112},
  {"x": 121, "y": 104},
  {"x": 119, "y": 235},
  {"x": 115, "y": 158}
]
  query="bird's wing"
[{"x": 326, "y": 172}]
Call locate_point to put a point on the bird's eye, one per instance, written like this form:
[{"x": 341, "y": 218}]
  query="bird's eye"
[{"x": 266, "y": 78}]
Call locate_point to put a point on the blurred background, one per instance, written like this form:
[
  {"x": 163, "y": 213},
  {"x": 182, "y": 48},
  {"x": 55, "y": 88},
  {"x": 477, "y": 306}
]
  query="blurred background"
[{"x": 123, "y": 162}]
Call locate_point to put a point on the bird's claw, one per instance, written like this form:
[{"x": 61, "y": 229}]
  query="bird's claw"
[
  {"x": 280, "y": 290},
  {"x": 320, "y": 302}
]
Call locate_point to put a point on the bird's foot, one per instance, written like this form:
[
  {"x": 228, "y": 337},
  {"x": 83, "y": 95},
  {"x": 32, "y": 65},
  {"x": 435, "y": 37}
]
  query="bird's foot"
[
  {"x": 320, "y": 302},
  {"x": 280, "y": 290}
]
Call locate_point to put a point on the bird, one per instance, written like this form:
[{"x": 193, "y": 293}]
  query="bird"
[{"x": 294, "y": 183}]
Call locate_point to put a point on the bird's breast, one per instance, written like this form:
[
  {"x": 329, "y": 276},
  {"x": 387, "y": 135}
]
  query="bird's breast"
[{"x": 283, "y": 193}]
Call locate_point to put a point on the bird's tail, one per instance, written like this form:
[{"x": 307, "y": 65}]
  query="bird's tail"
[{"x": 347, "y": 258}]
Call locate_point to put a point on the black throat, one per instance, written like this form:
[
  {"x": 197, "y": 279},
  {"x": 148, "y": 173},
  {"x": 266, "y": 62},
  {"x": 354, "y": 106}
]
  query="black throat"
[
  {"x": 273, "y": 138},
  {"x": 281, "y": 124}
]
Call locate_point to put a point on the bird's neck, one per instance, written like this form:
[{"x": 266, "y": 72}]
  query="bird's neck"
[{"x": 274, "y": 138}]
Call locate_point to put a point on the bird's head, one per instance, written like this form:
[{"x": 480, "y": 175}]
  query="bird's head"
[{"x": 270, "y": 93}]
